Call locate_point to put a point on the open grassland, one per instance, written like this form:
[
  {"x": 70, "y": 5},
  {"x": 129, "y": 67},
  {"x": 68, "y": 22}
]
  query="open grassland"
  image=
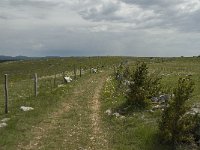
[
  {"x": 51, "y": 88},
  {"x": 20, "y": 70},
  {"x": 73, "y": 116},
  {"x": 139, "y": 129},
  {"x": 50, "y": 74}
]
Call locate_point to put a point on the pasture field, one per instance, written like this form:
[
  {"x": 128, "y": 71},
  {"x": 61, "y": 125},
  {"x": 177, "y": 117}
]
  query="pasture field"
[
  {"x": 51, "y": 90},
  {"x": 20, "y": 70},
  {"x": 139, "y": 129},
  {"x": 50, "y": 74},
  {"x": 72, "y": 116}
]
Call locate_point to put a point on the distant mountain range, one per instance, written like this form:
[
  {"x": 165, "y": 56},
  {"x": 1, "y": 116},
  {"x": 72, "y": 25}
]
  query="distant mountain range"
[{"x": 3, "y": 57}]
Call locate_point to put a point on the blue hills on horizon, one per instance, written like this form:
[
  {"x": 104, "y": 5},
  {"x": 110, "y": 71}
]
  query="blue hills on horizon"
[{"x": 7, "y": 58}]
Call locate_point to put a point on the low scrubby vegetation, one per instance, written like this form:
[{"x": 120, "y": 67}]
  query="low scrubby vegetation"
[
  {"x": 178, "y": 124},
  {"x": 142, "y": 86},
  {"x": 136, "y": 87},
  {"x": 135, "y": 117}
]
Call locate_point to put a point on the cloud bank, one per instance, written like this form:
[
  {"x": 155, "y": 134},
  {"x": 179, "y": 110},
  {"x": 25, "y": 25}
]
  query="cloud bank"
[{"x": 100, "y": 27}]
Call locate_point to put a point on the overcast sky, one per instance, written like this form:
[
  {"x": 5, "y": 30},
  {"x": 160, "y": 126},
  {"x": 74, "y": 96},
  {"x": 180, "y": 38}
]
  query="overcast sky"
[{"x": 100, "y": 27}]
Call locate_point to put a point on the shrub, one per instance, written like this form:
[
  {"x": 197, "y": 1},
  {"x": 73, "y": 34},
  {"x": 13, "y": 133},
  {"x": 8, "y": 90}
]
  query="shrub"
[
  {"x": 142, "y": 86},
  {"x": 176, "y": 125}
]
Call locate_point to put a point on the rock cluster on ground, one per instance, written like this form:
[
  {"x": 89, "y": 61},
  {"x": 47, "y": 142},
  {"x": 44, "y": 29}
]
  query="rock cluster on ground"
[
  {"x": 3, "y": 122},
  {"x": 116, "y": 114},
  {"x": 24, "y": 108}
]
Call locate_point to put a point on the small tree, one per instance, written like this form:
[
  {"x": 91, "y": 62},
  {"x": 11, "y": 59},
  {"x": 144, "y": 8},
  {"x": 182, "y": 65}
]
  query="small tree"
[
  {"x": 175, "y": 126},
  {"x": 140, "y": 87}
]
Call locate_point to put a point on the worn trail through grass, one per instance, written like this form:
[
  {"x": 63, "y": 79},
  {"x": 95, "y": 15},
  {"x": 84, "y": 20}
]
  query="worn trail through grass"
[{"x": 76, "y": 123}]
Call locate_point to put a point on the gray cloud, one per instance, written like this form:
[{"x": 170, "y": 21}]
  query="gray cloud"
[
  {"x": 118, "y": 12},
  {"x": 100, "y": 27},
  {"x": 179, "y": 14}
]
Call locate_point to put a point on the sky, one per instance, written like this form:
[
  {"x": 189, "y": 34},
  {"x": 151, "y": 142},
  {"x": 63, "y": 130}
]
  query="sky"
[{"x": 100, "y": 27}]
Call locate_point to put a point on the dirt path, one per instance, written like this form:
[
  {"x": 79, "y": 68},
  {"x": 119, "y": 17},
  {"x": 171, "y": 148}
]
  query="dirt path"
[
  {"x": 76, "y": 124},
  {"x": 99, "y": 139}
]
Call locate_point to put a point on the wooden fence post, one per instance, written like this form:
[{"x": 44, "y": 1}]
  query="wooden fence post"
[
  {"x": 6, "y": 93},
  {"x": 36, "y": 84},
  {"x": 74, "y": 72},
  {"x": 80, "y": 71}
]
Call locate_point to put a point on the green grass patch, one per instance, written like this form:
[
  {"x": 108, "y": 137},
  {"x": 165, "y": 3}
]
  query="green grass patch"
[
  {"x": 138, "y": 130},
  {"x": 21, "y": 123}
]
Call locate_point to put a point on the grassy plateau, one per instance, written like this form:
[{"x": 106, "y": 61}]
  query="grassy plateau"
[{"x": 73, "y": 115}]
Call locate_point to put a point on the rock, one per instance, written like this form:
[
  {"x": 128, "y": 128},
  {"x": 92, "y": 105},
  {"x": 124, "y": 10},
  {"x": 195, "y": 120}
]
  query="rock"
[
  {"x": 68, "y": 79},
  {"x": 61, "y": 85},
  {"x": 116, "y": 114},
  {"x": 5, "y": 119},
  {"x": 156, "y": 107},
  {"x": 155, "y": 99},
  {"x": 126, "y": 82},
  {"x": 159, "y": 106},
  {"x": 151, "y": 110},
  {"x": 94, "y": 70},
  {"x": 109, "y": 112},
  {"x": 188, "y": 75},
  {"x": 3, "y": 125},
  {"x": 164, "y": 98},
  {"x": 24, "y": 108},
  {"x": 161, "y": 99},
  {"x": 122, "y": 117},
  {"x": 194, "y": 110}
]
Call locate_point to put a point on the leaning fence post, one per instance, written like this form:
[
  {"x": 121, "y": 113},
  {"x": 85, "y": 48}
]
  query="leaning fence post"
[
  {"x": 6, "y": 93},
  {"x": 74, "y": 72},
  {"x": 36, "y": 84},
  {"x": 80, "y": 71}
]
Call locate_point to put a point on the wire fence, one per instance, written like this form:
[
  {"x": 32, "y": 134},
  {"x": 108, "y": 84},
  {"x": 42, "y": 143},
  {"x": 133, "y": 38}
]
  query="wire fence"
[
  {"x": 22, "y": 84},
  {"x": 33, "y": 85}
]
